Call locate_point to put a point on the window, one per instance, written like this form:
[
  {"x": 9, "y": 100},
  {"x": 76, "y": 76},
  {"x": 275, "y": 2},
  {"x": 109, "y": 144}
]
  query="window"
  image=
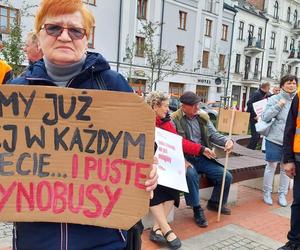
[
  {"x": 182, "y": 20},
  {"x": 272, "y": 44},
  {"x": 259, "y": 35},
  {"x": 295, "y": 16},
  {"x": 241, "y": 30},
  {"x": 255, "y": 75},
  {"x": 208, "y": 27},
  {"x": 209, "y": 5},
  {"x": 269, "y": 70},
  {"x": 8, "y": 17},
  {"x": 221, "y": 62},
  {"x": 180, "y": 54},
  {"x": 237, "y": 63},
  {"x": 289, "y": 70},
  {"x": 247, "y": 67},
  {"x": 282, "y": 69},
  {"x": 92, "y": 2},
  {"x": 275, "y": 14},
  {"x": 205, "y": 58},
  {"x": 251, "y": 30},
  {"x": 91, "y": 39},
  {"x": 224, "y": 32},
  {"x": 141, "y": 9},
  {"x": 296, "y": 71},
  {"x": 140, "y": 46},
  {"x": 285, "y": 41},
  {"x": 292, "y": 44},
  {"x": 288, "y": 15}
]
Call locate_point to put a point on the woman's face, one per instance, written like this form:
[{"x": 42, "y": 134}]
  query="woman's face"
[
  {"x": 62, "y": 50},
  {"x": 290, "y": 86},
  {"x": 162, "y": 110}
]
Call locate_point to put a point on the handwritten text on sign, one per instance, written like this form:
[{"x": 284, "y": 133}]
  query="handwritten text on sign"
[{"x": 74, "y": 156}]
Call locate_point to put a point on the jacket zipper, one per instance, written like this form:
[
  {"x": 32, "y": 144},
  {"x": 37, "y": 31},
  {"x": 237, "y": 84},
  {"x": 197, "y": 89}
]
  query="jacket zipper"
[
  {"x": 122, "y": 235},
  {"x": 64, "y": 237}
]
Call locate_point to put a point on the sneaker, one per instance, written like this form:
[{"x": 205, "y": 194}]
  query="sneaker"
[
  {"x": 199, "y": 218},
  {"x": 215, "y": 207},
  {"x": 289, "y": 246},
  {"x": 159, "y": 238},
  {"x": 282, "y": 200},
  {"x": 268, "y": 198}
]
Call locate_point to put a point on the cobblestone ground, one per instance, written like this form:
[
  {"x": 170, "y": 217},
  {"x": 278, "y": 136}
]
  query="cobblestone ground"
[
  {"x": 237, "y": 243},
  {"x": 5, "y": 234}
]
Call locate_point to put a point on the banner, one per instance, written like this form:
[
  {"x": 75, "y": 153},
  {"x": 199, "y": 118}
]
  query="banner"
[
  {"x": 171, "y": 163},
  {"x": 76, "y": 156}
]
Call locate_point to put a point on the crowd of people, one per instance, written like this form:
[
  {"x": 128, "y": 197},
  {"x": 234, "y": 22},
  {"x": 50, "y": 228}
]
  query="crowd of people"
[{"x": 57, "y": 56}]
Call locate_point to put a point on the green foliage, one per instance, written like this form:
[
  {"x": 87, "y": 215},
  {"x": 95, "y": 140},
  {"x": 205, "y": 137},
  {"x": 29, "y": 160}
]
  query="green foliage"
[{"x": 13, "y": 52}]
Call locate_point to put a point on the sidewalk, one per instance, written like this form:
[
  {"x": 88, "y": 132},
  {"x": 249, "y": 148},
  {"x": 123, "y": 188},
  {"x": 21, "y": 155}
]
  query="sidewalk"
[{"x": 252, "y": 225}]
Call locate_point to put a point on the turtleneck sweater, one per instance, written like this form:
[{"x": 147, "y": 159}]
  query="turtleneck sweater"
[{"x": 62, "y": 74}]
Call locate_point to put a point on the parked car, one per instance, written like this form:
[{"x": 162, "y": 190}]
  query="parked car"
[
  {"x": 213, "y": 114},
  {"x": 214, "y": 105},
  {"x": 174, "y": 104}
]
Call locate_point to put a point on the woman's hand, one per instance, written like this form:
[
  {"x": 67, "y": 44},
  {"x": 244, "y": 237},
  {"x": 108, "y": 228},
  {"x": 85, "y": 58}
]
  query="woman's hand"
[
  {"x": 290, "y": 169},
  {"x": 151, "y": 182},
  {"x": 281, "y": 102},
  {"x": 210, "y": 154}
]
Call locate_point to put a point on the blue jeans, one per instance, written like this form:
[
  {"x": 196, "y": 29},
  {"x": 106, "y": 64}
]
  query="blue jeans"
[
  {"x": 214, "y": 172},
  {"x": 294, "y": 233}
]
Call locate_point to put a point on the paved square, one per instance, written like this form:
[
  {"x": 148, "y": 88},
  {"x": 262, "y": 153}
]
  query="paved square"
[
  {"x": 283, "y": 211},
  {"x": 230, "y": 237}
]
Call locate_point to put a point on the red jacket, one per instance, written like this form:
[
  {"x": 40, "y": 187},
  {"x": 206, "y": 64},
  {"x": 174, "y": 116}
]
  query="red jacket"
[{"x": 188, "y": 147}]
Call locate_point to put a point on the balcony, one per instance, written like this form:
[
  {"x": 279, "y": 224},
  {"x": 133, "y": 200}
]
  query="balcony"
[
  {"x": 250, "y": 77},
  {"x": 275, "y": 21},
  {"x": 294, "y": 58},
  {"x": 296, "y": 28},
  {"x": 254, "y": 46}
]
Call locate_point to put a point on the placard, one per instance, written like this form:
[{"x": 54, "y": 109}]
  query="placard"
[{"x": 76, "y": 156}]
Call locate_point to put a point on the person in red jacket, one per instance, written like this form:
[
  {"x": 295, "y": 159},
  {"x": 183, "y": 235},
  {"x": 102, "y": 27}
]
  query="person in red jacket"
[{"x": 164, "y": 197}]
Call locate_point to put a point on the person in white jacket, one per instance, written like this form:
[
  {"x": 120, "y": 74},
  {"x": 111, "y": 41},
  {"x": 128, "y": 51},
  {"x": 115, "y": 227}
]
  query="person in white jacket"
[{"x": 277, "y": 108}]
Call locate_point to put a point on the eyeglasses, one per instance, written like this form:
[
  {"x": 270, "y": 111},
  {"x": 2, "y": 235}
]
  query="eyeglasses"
[{"x": 56, "y": 30}]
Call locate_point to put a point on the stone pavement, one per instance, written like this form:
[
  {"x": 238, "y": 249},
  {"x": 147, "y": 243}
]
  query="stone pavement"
[{"x": 252, "y": 225}]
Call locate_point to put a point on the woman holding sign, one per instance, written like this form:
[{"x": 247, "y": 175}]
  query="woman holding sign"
[
  {"x": 164, "y": 197},
  {"x": 63, "y": 29},
  {"x": 277, "y": 109}
]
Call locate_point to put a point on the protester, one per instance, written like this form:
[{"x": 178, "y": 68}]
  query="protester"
[
  {"x": 277, "y": 108},
  {"x": 291, "y": 160},
  {"x": 6, "y": 73},
  {"x": 165, "y": 198},
  {"x": 258, "y": 95},
  {"x": 197, "y": 127},
  {"x": 63, "y": 29},
  {"x": 32, "y": 49}
]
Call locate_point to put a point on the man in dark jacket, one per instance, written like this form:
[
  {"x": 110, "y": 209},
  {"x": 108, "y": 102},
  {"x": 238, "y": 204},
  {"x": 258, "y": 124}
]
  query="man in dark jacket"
[
  {"x": 258, "y": 95},
  {"x": 291, "y": 160}
]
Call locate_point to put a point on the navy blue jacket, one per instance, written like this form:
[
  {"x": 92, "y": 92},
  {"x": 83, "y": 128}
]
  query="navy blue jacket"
[{"x": 57, "y": 236}]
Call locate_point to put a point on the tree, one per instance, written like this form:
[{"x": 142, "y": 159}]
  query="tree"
[
  {"x": 13, "y": 49},
  {"x": 160, "y": 62},
  {"x": 13, "y": 52}
]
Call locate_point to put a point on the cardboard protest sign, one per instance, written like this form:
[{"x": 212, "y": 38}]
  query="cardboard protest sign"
[
  {"x": 77, "y": 156},
  {"x": 240, "y": 124},
  {"x": 171, "y": 167},
  {"x": 260, "y": 106}
]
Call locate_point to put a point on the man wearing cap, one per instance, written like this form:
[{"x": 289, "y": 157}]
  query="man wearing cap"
[
  {"x": 6, "y": 73},
  {"x": 197, "y": 127}
]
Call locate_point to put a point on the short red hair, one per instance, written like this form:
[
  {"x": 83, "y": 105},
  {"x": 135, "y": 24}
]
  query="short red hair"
[{"x": 52, "y": 8}]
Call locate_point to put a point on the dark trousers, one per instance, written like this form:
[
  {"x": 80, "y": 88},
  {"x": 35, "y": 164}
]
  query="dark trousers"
[
  {"x": 214, "y": 172},
  {"x": 294, "y": 233},
  {"x": 254, "y": 136}
]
